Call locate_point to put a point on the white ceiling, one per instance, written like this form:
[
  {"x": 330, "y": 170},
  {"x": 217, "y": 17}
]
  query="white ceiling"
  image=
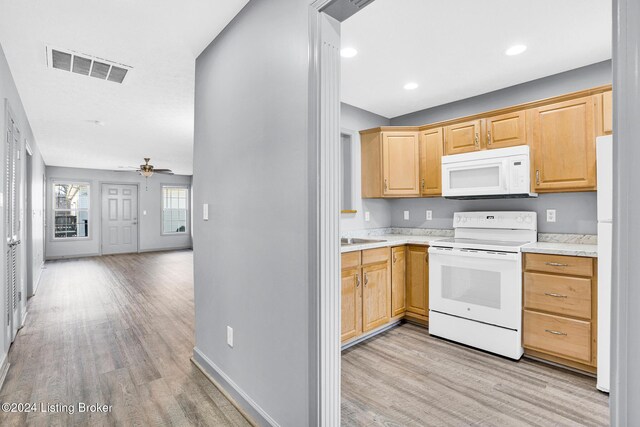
[
  {"x": 150, "y": 114},
  {"x": 455, "y": 49}
]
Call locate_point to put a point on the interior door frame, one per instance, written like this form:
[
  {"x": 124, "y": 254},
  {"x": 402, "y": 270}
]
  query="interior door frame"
[
  {"x": 324, "y": 216},
  {"x": 28, "y": 220},
  {"x": 101, "y": 184}
]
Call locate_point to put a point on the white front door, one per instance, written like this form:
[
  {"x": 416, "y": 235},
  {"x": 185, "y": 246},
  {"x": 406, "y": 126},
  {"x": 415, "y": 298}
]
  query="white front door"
[{"x": 119, "y": 218}]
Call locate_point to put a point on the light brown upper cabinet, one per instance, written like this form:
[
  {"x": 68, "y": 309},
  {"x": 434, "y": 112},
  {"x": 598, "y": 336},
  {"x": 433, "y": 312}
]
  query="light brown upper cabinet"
[
  {"x": 607, "y": 113},
  {"x": 418, "y": 280},
  {"x": 463, "y": 137},
  {"x": 431, "y": 147},
  {"x": 400, "y": 163},
  {"x": 398, "y": 280},
  {"x": 506, "y": 130},
  {"x": 563, "y": 137},
  {"x": 390, "y": 163}
]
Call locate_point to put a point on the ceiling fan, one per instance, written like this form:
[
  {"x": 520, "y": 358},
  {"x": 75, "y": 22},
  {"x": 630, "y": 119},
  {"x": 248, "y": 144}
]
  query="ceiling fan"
[{"x": 148, "y": 170}]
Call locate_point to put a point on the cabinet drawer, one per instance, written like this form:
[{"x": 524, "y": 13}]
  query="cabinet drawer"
[
  {"x": 570, "y": 296},
  {"x": 350, "y": 259},
  {"x": 372, "y": 256},
  {"x": 557, "y": 335},
  {"x": 560, "y": 264}
]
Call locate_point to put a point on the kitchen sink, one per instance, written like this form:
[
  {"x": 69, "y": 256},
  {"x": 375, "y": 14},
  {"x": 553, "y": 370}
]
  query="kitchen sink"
[{"x": 347, "y": 241}]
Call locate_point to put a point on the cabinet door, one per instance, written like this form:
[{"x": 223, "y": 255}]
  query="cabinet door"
[
  {"x": 400, "y": 163},
  {"x": 463, "y": 137},
  {"x": 376, "y": 304},
  {"x": 417, "y": 280},
  {"x": 607, "y": 113},
  {"x": 506, "y": 130},
  {"x": 398, "y": 281},
  {"x": 351, "y": 304},
  {"x": 564, "y": 146},
  {"x": 431, "y": 147}
]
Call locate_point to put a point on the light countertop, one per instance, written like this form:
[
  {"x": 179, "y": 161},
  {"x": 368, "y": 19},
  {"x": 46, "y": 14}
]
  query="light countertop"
[
  {"x": 555, "y": 248},
  {"x": 391, "y": 240}
]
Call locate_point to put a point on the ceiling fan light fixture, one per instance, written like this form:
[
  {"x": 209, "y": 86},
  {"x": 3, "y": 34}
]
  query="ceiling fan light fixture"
[{"x": 146, "y": 173}]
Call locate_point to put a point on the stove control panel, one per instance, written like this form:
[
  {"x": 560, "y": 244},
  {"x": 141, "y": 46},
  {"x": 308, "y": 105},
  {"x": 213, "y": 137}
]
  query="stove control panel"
[{"x": 504, "y": 220}]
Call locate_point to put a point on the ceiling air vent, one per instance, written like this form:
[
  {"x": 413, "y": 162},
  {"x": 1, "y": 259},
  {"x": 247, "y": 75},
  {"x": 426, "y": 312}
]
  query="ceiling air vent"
[
  {"x": 87, "y": 65},
  {"x": 343, "y": 9}
]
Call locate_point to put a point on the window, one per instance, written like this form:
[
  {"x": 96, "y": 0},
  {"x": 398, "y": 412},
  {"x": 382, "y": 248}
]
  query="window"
[
  {"x": 70, "y": 210},
  {"x": 175, "y": 209}
]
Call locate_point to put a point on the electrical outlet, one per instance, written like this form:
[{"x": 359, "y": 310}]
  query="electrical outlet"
[
  {"x": 230, "y": 336},
  {"x": 551, "y": 215},
  {"x": 367, "y": 216},
  {"x": 406, "y": 215},
  {"x": 205, "y": 211},
  {"x": 429, "y": 215}
]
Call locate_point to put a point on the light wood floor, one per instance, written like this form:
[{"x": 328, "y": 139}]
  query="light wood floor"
[
  {"x": 115, "y": 330},
  {"x": 404, "y": 377}
]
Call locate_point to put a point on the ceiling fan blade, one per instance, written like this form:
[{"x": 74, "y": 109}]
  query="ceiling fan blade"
[{"x": 164, "y": 171}]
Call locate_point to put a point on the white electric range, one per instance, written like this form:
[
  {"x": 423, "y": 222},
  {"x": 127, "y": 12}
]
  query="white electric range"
[{"x": 475, "y": 280}]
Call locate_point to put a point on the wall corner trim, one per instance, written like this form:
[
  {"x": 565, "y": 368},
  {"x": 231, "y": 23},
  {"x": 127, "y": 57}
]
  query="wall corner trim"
[{"x": 254, "y": 414}]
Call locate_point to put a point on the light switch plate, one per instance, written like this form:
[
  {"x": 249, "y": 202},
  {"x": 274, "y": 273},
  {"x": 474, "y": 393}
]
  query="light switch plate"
[
  {"x": 406, "y": 215},
  {"x": 144, "y": 212},
  {"x": 205, "y": 211},
  {"x": 230, "y": 336},
  {"x": 429, "y": 215},
  {"x": 367, "y": 216},
  {"x": 551, "y": 215}
]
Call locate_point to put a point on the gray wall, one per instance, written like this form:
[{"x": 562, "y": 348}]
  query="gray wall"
[
  {"x": 575, "y": 212},
  {"x": 625, "y": 379},
  {"x": 9, "y": 92},
  {"x": 570, "y": 81},
  {"x": 149, "y": 199},
  {"x": 354, "y": 119},
  {"x": 251, "y": 165}
]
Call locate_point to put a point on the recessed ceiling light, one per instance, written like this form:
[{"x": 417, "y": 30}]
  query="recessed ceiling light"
[
  {"x": 515, "y": 50},
  {"x": 411, "y": 86},
  {"x": 348, "y": 52}
]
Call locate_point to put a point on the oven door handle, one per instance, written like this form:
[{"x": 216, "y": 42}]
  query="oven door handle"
[{"x": 474, "y": 253}]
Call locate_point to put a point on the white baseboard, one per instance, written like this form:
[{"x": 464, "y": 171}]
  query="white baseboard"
[
  {"x": 59, "y": 257},
  {"x": 4, "y": 369},
  {"x": 241, "y": 400},
  {"x": 36, "y": 283},
  {"x": 176, "y": 248},
  {"x": 24, "y": 318}
]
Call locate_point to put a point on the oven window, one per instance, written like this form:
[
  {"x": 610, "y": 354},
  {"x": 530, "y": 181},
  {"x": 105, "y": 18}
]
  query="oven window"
[
  {"x": 471, "y": 286},
  {"x": 488, "y": 177}
]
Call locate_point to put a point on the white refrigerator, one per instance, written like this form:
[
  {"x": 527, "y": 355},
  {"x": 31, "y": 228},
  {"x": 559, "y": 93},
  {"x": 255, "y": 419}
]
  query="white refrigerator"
[{"x": 605, "y": 246}]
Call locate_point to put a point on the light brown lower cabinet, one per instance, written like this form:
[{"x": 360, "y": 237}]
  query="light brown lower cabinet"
[
  {"x": 418, "y": 281},
  {"x": 366, "y": 291},
  {"x": 398, "y": 281},
  {"x": 560, "y": 309}
]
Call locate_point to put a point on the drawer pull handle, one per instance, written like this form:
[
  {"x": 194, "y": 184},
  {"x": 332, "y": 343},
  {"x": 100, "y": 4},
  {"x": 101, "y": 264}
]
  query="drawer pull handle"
[
  {"x": 556, "y": 264},
  {"x": 551, "y": 331},
  {"x": 551, "y": 294}
]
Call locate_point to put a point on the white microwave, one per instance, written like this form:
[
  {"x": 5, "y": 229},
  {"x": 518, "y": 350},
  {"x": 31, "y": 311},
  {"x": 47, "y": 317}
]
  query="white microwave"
[{"x": 488, "y": 174}]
